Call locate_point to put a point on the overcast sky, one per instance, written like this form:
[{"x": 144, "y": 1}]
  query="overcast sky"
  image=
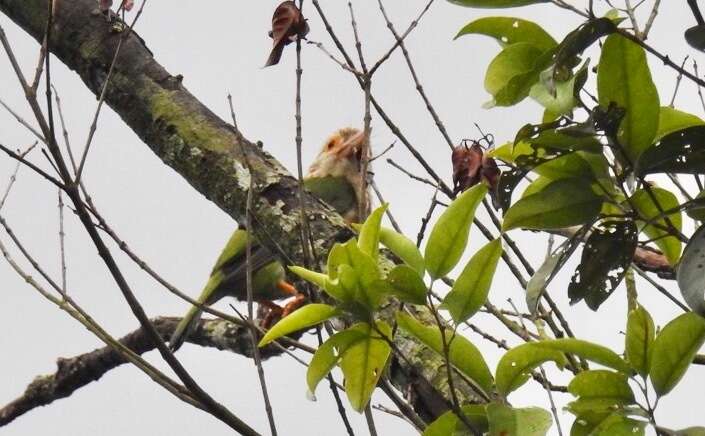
[{"x": 219, "y": 47}]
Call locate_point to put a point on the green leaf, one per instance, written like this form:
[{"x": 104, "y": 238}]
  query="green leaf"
[
  {"x": 314, "y": 277},
  {"x": 619, "y": 425},
  {"x": 682, "y": 151},
  {"x": 695, "y": 36},
  {"x": 648, "y": 210},
  {"x": 449, "y": 236},
  {"x": 353, "y": 276},
  {"x": 364, "y": 361},
  {"x": 404, "y": 282},
  {"x": 690, "y": 431},
  {"x": 571, "y": 165},
  {"x": 559, "y": 98},
  {"x": 607, "y": 255},
  {"x": 368, "y": 239},
  {"x": 601, "y": 383},
  {"x": 548, "y": 270},
  {"x": 697, "y": 211},
  {"x": 576, "y": 42},
  {"x": 307, "y": 316},
  {"x": 404, "y": 248},
  {"x": 495, "y": 4},
  {"x": 509, "y": 30},
  {"x": 514, "y": 368},
  {"x": 587, "y": 350},
  {"x": 462, "y": 353},
  {"x": 564, "y": 139},
  {"x": 563, "y": 203},
  {"x": 507, "y": 421},
  {"x": 470, "y": 290},
  {"x": 513, "y": 61},
  {"x": 672, "y": 120},
  {"x": 639, "y": 340},
  {"x": 329, "y": 354},
  {"x": 623, "y": 78},
  {"x": 519, "y": 85},
  {"x": 449, "y": 424},
  {"x": 691, "y": 272},
  {"x": 674, "y": 349}
]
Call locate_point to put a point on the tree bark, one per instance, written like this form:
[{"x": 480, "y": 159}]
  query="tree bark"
[{"x": 212, "y": 156}]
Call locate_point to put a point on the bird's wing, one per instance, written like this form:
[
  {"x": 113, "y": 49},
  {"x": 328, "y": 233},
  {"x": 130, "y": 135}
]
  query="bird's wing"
[{"x": 336, "y": 191}]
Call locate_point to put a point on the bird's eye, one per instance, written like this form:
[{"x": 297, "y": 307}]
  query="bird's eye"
[{"x": 330, "y": 145}]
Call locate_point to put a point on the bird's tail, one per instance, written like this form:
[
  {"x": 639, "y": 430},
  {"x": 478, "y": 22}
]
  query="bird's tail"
[
  {"x": 185, "y": 327},
  {"x": 274, "y": 56}
]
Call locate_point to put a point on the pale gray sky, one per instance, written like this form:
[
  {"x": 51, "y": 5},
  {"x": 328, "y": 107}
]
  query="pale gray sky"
[{"x": 219, "y": 47}]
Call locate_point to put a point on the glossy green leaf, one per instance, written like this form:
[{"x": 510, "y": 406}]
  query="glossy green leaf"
[
  {"x": 519, "y": 84},
  {"x": 671, "y": 120},
  {"x": 639, "y": 340},
  {"x": 509, "y": 30},
  {"x": 571, "y": 165},
  {"x": 406, "y": 285},
  {"x": 470, "y": 290},
  {"x": 649, "y": 210},
  {"x": 307, "y": 316},
  {"x": 364, "y": 361},
  {"x": 588, "y": 351},
  {"x": 353, "y": 276},
  {"x": 463, "y": 354},
  {"x": 563, "y": 203},
  {"x": 577, "y": 41},
  {"x": 624, "y": 78},
  {"x": 449, "y": 236},
  {"x": 596, "y": 407},
  {"x": 601, "y": 383},
  {"x": 682, "y": 151},
  {"x": 508, "y": 421},
  {"x": 368, "y": 239},
  {"x": 513, "y": 61},
  {"x": 495, "y": 4},
  {"x": 403, "y": 247},
  {"x": 537, "y": 185},
  {"x": 449, "y": 423},
  {"x": 691, "y": 272},
  {"x": 514, "y": 368},
  {"x": 559, "y": 98},
  {"x": 607, "y": 254},
  {"x": 673, "y": 351},
  {"x": 329, "y": 354},
  {"x": 314, "y": 277},
  {"x": 565, "y": 140}
]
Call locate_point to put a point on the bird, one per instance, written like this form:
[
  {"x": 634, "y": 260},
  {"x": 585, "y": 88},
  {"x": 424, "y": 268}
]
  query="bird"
[
  {"x": 288, "y": 24},
  {"x": 336, "y": 177}
]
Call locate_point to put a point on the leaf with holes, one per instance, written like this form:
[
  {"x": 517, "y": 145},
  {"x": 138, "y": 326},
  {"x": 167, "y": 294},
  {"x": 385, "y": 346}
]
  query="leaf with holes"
[
  {"x": 624, "y": 78},
  {"x": 472, "y": 286},
  {"x": 682, "y": 151},
  {"x": 514, "y": 368},
  {"x": 509, "y": 30},
  {"x": 508, "y": 421},
  {"x": 607, "y": 254},
  {"x": 639, "y": 340},
  {"x": 563, "y": 203},
  {"x": 649, "y": 209},
  {"x": 449, "y": 236},
  {"x": 462, "y": 353},
  {"x": 364, "y": 361},
  {"x": 691, "y": 272},
  {"x": 576, "y": 42},
  {"x": 672, "y": 120},
  {"x": 674, "y": 349}
]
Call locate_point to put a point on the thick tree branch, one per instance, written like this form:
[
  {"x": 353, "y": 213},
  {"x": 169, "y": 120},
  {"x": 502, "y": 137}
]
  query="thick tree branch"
[{"x": 210, "y": 154}]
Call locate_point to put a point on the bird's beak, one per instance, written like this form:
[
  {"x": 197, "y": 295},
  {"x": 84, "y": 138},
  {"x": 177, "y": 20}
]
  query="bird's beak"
[{"x": 354, "y": 146}]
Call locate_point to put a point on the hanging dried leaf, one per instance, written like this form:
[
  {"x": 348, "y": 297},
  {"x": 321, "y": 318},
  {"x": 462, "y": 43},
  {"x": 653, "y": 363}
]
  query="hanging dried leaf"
[
  {"x": 288, "y": 24},
  {"x": 472, "y": 165}
]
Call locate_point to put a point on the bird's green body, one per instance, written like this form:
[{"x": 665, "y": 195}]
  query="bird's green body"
[{"x": 330, "y": 180}]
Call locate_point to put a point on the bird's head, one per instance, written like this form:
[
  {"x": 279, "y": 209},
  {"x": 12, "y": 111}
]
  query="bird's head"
[{"x": 341, "y": 155}]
